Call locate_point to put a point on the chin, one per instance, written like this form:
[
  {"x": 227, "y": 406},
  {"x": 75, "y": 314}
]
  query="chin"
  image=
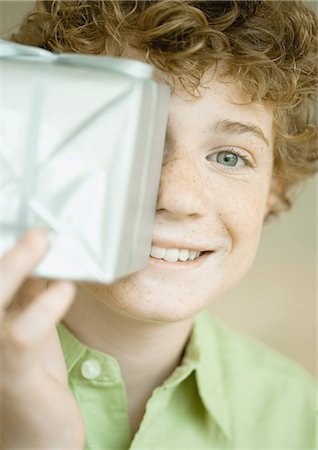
[
  {"x": 143, "y": 299},
  {"x": 160, "y": 295}
]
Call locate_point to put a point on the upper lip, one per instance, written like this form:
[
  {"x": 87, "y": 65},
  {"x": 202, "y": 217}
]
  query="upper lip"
[{"x": 167, "y": 243}]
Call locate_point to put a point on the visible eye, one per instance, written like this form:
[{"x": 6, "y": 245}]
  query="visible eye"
[
  {"x": 231, "y": 158},
  {"x": 227, "y": 158}
]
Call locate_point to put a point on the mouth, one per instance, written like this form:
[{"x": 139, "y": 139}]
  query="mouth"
[{"x": 176, "y": 263}]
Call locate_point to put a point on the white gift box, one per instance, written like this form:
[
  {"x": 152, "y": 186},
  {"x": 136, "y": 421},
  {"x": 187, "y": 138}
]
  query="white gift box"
[{"x": 82, "y": 141}]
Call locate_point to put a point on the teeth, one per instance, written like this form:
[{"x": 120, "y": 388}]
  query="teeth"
[
  {"x": 173, "y": 254},
  {"x": 157, "y": 252},
  {"x": 184, "y": 255}
]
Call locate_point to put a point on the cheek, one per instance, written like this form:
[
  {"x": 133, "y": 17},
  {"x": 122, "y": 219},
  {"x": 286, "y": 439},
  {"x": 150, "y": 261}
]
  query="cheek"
[
  {"x": 242, "y": 202},
  {"x": 243, "y": 218}
]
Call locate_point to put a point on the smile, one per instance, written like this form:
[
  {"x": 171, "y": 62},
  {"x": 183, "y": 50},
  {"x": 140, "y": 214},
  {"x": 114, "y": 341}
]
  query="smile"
[
  {"x": 178, "y": 263},
  {"x": 174, "y": 254}
]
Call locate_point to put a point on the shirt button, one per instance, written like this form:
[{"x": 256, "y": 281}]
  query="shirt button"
[{"x": 90, "y": 369}]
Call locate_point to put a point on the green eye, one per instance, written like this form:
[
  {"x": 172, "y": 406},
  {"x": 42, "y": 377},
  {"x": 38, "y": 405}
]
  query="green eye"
[
  {"x": 230, "y": 159},
  {"x": 227, "y": 158}
]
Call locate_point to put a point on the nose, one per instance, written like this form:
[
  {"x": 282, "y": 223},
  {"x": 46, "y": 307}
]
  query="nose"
[{"x": 181, "y": 192}]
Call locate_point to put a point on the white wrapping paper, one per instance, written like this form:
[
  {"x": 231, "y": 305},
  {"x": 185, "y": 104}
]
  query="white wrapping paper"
[{"x": 82, "y": 140}]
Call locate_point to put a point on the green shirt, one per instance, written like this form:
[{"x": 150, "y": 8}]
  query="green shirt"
[{"x": 230, "y": 392}]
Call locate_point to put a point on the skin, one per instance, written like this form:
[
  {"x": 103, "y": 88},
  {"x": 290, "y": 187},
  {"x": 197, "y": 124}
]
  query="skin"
[
  {"x": 203, "y": 204},
  {"x": 33, "y": 374}
]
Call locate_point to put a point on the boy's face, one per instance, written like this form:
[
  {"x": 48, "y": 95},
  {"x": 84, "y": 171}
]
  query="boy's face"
[{"x": 208, "y": 200}]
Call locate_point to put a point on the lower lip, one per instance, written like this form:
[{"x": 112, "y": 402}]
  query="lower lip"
[{"x": 179, "y": 265}]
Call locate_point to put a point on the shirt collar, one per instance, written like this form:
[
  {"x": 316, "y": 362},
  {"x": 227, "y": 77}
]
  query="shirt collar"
[
  {"x": 203, "y": 355},
  {"x": 206, "y": 341},
  {"x": 73, "y": 349}
]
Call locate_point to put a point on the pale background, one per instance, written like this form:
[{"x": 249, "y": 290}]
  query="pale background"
[{"x": 276, "y": 302}]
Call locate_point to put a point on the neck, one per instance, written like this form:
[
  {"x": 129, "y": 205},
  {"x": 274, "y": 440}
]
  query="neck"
[{"x": 147, "y": 352}]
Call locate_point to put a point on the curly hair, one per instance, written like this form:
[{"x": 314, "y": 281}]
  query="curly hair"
[{"x": 269, "y": 47}]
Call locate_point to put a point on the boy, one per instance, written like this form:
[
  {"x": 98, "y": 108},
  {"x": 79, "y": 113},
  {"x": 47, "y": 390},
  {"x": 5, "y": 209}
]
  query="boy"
[{"x": 137, "y": 364}]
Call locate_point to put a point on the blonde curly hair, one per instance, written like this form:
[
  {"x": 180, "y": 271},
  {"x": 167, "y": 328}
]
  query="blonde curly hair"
[{"x": 269, "y": 47}]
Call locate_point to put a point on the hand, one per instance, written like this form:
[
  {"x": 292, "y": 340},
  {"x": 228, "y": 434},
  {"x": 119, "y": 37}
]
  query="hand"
[{"x": 37, "y": 408}]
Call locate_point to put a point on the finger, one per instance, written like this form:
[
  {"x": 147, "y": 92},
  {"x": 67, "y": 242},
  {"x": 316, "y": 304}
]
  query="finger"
[
  {"x": 26, "y": 294},
  {"x": 34, "y": 324},
  {"x": 33, "y": 286},
  {"x": 19, "y": 262}
]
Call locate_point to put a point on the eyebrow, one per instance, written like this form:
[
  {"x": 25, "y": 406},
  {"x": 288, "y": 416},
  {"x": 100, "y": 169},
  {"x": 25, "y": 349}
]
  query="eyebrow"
[{"x": 233, "y": 127}]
